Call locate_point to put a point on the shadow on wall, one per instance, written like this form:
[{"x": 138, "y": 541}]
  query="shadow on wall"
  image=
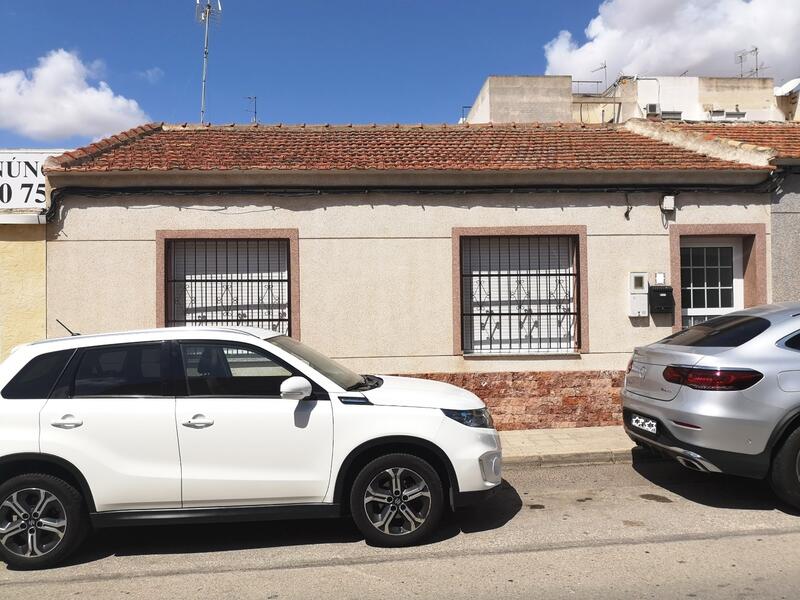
[
  {"x": 253, "y": 204},
  {"x": 658, "y": 320}
]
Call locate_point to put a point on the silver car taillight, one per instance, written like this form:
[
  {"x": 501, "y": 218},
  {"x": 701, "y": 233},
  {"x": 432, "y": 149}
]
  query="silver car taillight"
[{"x": 712, "y": 379}]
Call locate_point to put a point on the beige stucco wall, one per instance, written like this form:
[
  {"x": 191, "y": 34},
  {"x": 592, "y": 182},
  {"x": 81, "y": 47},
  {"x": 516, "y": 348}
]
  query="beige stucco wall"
[
  {"x": 22, "y": 285},
  {"x": 523, "y": 99},
  {"x": 376, "y": 269}
]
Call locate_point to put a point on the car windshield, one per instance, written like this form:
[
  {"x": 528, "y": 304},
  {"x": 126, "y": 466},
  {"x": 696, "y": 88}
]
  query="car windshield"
[
  {"x": 340, "y": 375},
  {"x": 727, "y": 331}
]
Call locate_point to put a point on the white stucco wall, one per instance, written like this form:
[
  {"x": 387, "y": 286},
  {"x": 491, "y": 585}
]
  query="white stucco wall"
[{"x": 376, "y": 269}]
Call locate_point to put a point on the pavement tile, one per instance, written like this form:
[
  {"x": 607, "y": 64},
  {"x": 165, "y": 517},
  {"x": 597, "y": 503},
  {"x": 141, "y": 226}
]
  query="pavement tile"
[{"x": 549, "y": 447}]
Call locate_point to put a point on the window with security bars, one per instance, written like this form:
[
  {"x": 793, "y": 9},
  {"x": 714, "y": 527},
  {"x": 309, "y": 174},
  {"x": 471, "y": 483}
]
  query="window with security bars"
[
  {"x": 229, "y": 282},
  {"x": 519, "y": 294}
]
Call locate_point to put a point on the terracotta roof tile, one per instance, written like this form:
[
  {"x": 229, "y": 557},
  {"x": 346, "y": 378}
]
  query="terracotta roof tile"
[
  {"x": 783, "y": 138},
  {"x": 395, "y": 147}
]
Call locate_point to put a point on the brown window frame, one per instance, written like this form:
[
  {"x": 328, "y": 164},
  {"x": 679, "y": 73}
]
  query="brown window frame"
[
  {"x": 576, "y": 231},
  {"x": 754, "y": 259},
  {"x": 292, "y": 235}
]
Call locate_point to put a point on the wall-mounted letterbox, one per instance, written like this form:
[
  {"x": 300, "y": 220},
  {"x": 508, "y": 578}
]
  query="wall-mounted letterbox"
[{"x": 661, "y": 299}]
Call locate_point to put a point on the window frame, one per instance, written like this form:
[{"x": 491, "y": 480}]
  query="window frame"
[
  {"x": 581, "y": 286},
  {"x": 163, "y": 237},
  {"x": 736, "y": 244},
  {"x": 181, "y": 378},
  {"x": 754, "y": 251}
]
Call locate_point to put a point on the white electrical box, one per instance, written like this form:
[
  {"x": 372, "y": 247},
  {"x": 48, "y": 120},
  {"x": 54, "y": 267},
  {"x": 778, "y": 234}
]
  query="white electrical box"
[
  {"x": 638, "y": 287},
  {"x": 668, "y": 203}
]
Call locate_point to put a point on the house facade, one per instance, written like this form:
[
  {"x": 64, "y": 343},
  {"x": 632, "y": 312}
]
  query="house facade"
[
  {"x": 553, "y": 98},
  {"x": 510, "y": 260},
  {"x": 23, "y": 203}
]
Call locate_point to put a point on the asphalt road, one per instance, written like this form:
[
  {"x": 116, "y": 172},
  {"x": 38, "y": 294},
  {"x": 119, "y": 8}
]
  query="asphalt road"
[{"x": 647, "y": 530}]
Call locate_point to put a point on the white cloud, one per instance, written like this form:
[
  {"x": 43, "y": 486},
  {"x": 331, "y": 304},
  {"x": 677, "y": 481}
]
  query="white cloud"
[
  {"x": 668, "y": 37},
  {"x": 57, "y": 99},
  {"x": 152, "y": 75}
]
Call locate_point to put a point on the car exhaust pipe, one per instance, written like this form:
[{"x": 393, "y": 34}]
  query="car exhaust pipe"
[{"x": 690, "y": 464}]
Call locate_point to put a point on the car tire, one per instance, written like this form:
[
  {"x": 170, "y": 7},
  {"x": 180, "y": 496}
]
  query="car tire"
[
  {"x": 785, "y": 472},
  {"x": 46, "y": 538},
  {"x": 391, "y": 519}
]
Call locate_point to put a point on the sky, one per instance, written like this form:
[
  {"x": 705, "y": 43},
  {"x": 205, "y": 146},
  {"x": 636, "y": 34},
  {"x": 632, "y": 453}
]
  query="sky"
[{"x": 74, "y": 72}]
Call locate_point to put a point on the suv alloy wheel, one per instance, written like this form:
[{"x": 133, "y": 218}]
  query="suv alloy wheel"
[
  {"x": 41, "y": 520},
  {"x": 396, "y": 500}
]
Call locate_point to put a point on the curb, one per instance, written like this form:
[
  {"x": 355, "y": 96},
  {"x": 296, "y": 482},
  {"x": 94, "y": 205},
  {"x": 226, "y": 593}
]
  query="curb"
[{"x": 602, "y": 457}]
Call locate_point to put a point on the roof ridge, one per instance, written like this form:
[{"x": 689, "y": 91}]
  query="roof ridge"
[
  {"x": 74, "y": 158},
  {"x": 382, "y": 126},
  {"x": 702, "y": 142}
]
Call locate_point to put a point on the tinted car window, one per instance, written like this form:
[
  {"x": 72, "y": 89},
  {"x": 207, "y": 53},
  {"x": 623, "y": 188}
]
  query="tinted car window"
[
  {"x": 793, "y": 342},
  {"x": 133, "y": 370},
  {"x": 229, "y": 370},
  {"x": 37, "y": 378},
  {"x": 727, "y": 331}
]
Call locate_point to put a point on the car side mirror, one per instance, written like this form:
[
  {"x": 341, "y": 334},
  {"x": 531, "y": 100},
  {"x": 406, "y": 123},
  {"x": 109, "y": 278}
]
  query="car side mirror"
[{"x": 296, "y": 388}]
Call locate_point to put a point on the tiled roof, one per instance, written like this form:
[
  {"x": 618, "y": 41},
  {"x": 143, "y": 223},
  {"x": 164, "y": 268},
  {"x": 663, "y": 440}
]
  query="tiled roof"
[
  {"x": 783, "y": 138},
  {"x": 431, "y": 147}
]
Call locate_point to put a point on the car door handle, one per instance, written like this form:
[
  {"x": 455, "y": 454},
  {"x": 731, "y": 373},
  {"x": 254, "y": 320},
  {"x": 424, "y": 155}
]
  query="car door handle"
[
  {"x": 67, "y": 422},
  {"x": 198, "y": 422}
]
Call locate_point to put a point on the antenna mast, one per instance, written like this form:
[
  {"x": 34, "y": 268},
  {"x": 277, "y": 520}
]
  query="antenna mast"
[
  {"x": 254, "y": 100},
  {"x": 741, "y": 57},
  {"x": 604, "y": 68},
  {"x": 204, "y": 14}
]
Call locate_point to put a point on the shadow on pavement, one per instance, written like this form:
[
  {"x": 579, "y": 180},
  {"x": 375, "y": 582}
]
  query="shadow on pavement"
[
  {"x": 710, "y": 489},
  {"x": 188, "y": 539}
]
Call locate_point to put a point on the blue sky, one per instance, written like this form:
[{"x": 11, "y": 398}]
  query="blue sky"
[
  {"x": 74, "y": 71},
  {"x": 306, "y": 60}
]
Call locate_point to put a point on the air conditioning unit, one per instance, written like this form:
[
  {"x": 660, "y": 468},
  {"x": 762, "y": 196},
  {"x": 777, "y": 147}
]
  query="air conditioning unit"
[{"x": 652, "y": 109}]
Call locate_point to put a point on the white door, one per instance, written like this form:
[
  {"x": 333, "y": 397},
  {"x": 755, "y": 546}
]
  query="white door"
[
  {"x": 240, "y": 442},
  {"x": 712, "y": 281},
  {"x": 110, "y": 418}
]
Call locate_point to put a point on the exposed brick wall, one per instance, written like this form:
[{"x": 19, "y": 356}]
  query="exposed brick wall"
[{"x": 541, "y": 399}]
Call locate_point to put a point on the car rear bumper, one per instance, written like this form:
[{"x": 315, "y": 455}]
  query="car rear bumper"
[{"x": 695, "y": 457}]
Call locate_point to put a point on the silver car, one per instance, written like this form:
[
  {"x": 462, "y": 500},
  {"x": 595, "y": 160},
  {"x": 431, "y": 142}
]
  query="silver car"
[{"x": 724, "y": 396}]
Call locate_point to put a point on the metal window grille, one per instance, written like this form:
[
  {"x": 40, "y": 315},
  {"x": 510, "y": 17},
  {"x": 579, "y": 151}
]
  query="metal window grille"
[
  {"x": 229, "y": 282},
  {"x": 706, "y": 283},
  {"x": 519, "y": 294}
]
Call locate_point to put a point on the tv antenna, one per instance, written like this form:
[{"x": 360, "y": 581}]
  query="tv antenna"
[
  {"x": 254, "y": 111},
  {"x": 206, "y": 11},
  {"x": 741, "y": 57},
  {"x": 604, "y": 68}
]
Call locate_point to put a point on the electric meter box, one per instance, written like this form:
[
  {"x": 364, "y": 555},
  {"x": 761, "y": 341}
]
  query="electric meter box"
[
  {"x": 661, "y": 299},
  {"x": 638, "y": 287}
]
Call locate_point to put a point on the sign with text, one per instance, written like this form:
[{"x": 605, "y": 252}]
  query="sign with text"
[{"x": 21, "y": 178}]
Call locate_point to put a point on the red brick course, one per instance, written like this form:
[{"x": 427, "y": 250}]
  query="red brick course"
[{"x": 544, "y": 399}]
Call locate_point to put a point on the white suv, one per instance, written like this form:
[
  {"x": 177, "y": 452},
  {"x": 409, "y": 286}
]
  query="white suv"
[{"x": 209, "y": 424}]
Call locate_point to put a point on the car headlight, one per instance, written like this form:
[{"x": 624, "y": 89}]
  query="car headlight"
[{"x": 480, "y": 417}]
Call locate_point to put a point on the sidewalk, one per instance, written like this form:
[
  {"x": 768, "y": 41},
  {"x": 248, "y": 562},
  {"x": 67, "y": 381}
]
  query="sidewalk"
[{"x": 580, "y": 445}]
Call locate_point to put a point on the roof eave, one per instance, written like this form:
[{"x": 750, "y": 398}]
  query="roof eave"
[{"x": 407, "y": 178}]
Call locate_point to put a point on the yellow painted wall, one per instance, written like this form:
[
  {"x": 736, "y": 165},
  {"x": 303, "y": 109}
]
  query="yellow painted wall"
[{"x": 22, "y": 285}]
